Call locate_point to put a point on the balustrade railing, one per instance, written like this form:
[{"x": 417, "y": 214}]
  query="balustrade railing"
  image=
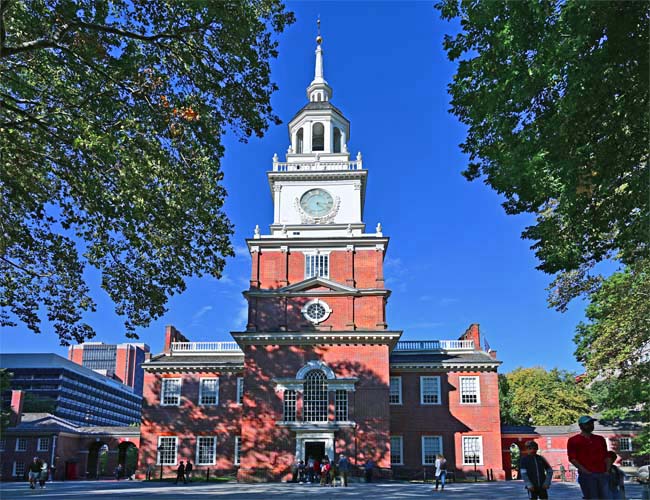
[
  {"x": 230, "y": 347},
  {"x": 434, "y": 345},
  {"x": 317, "y": 165}
]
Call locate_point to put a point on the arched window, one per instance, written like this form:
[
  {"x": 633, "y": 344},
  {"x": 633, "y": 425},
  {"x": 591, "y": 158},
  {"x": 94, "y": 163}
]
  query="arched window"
[
  {"x": 315, "y": 397},
  {"x": 299, "y": 141},
  {"x": 337, "y": 140},
  {"x": 318, "y": 137}
]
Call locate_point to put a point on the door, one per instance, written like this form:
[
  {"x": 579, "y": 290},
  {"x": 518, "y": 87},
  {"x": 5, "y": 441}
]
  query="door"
[{"x": 314, "y": 449}]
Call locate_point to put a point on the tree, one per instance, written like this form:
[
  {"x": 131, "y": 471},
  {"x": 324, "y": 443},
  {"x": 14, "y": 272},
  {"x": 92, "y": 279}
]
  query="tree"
[
  {"x": 5, "y": 385},
  {"x": 555, "y": 97},
  {"x": 534, "y": 396},
  {"x": 111, "y": 119}
]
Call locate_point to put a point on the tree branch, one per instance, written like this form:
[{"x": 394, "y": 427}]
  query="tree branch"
[
  {"x": 23, "y": 269},
  {"x": 138, "y": 36}
]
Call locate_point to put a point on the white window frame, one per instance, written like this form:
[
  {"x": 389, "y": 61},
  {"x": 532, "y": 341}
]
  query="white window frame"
[
  {"x": 401, "y": 450},
  {"x": 240, "y": 390},
  {"x": 21, "y": 441},
  {"x": 14, "y": 473},
  {"x": 398, "y": 380},
  {"x": 627, "y": 462},
  {"x": 478, "y": 389},
  {"x": 438, "y": 395},
  {"x": 160, "y": 438},
  {"x": 422, "y": 440},
  {"x": 311, "y": 267},
  {"x": 628, "y": 443},
  {"x": 162, "y": 391},
  {"x": 198, "y": 450},
  {"x": 208, "y": 379},
  {"x": 341, "y": 405},
  {"x": 40, "y": 447},
  {"x": 237, "y": 458},
  {"x": 480, "y": 447}
]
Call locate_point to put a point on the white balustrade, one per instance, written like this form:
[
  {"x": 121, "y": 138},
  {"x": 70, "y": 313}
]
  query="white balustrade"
[
  {"x": 435, "y": 345},
  {"x": 317, "y": 165},
  {"x": 205, "y": 347}
]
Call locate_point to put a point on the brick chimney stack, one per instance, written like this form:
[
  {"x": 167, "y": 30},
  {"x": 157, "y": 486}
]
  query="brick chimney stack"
[
  {"x": 473, "y": 333},
  {"x": 172, "y": 335},
  {"x": 17, "y": 400}
]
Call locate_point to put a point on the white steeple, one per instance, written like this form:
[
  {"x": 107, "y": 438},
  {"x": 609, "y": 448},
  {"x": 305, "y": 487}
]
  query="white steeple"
[{"x": 318, "y": 89}]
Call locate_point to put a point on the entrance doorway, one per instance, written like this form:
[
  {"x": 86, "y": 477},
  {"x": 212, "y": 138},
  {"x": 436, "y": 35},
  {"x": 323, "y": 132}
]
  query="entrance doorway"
[{"x": 314, "y": 449}]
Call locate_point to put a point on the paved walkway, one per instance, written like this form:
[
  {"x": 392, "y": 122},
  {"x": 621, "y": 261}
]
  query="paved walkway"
[{"x": 124, "y": 490}]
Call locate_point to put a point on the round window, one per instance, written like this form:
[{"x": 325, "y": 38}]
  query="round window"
[{"x": 316, "y": 311}]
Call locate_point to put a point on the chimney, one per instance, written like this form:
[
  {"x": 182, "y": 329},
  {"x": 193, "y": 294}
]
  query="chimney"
[
  {"x": 473, "y": 333},
  {"x": 172, "y": 335},
  {"x": 17, "y": 400},
  {"x": 492, "y": 353}
]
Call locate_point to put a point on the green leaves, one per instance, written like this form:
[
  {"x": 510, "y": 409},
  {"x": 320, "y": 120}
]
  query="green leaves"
[{"x": 111, "y": 118}]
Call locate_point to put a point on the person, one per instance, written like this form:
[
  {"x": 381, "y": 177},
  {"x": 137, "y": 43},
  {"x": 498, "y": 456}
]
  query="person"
[
  {"x": 310, "y": 469},
  {"x": 149, "y": 472},
  {"x": 588, "y": 453},
  {"x": 536, "y": 472},
  {"x": 616, "y": 479},
  {"x": 441, "y": 471},
  {"x": 324, "y": 471},
  {"x": 118, "y": 472},
  {"x": 334, "y": 473},
  {"x": 188, "y": 471},
  {"x": 316, "y": 471},
  {"x": 43, "y": 474},
  {"x": 643, "y": 475},
  {"x": 301, "y": 472},
  {"x": 368, "y": 467},
  {"x": 344, "y": 468},
  {"x": 180, "y": 473},
  {"x": 34, "y": 472}
]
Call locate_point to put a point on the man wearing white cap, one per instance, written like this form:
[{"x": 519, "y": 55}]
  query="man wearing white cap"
[{"x": 588, "y": 452}]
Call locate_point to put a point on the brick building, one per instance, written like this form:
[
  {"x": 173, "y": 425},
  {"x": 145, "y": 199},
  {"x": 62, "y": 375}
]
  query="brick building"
[{"x": 317, "y": 370}]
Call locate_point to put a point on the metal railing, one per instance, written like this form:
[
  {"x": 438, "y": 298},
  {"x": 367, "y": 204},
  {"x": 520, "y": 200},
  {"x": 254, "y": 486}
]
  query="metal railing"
[
  {"x": 205, "y": 347},
  {"x": 317, "y": 165},
  {"x": 435, "y": 345}
]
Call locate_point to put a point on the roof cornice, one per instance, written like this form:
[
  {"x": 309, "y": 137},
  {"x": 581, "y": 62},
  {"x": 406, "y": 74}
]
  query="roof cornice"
[
  {"x": 446, "y": 366},
  {"x": 356, "y": 337}
]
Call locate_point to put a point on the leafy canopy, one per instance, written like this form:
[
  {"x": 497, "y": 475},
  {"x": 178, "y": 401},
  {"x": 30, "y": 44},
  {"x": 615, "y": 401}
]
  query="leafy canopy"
[
  {"x": 111, "y": 121},
  {"x": 534, "y": 396}
]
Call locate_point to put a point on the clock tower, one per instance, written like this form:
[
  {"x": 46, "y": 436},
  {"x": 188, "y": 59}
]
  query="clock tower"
[{"x": 316, "y": 346}]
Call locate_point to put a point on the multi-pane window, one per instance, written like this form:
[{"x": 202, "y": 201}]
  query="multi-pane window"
[
  {"x": 431, "y": 446},
  {"x": 206, "y": 450},
  {"x": 167, "y": 446},
  {"x": 240, "y": 390},
  {"x": 3, "y": 444},
  {"x": 237, "y": 449},
  {"x": 317, "y": 265},
  {"x": 19, "y": 469},
  {"x": 21, "y": 444},
  {"x": 341, "y": 405},
  {"x": 209, "y": 391},
  {"x": 625, "y": 444},
  {"x": 315, "y": 397},
  {"x": 289, "y": 406},
  {"x": 99, "y": 357},
  {"x": 430, "y": 390},
  {"x": 627, "y": 463},
  {"x": 470, "y": 392},
  {"x": 43, "y": 444},
  {"x": 472, "y": 450},
  {"x": 395, "y": 391},
  {"x": 396, "y": 451},
  {"x": 171, "y": 392}
]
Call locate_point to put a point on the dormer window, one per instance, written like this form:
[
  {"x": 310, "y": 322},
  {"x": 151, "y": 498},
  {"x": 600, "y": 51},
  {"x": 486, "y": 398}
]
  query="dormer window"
[
  {"x": 318, "y": 137},
  {"x": 299, "y": 141},
  {"x": 337, "y": 140}
]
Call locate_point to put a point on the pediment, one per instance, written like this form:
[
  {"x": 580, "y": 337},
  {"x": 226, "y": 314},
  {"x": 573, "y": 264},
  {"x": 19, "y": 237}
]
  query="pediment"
[{"x": 317, "y": 284}]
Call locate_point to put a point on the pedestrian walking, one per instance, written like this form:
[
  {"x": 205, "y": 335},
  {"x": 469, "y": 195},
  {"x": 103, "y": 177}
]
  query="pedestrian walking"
[
  {"x": 324, "y": 470},
  {"x": 616, "y": 479},
  {"x": 368, "y": 467},
  {"x": 180, "y": 473},
  {"x": 43, "y": 474},
  {"x": 188, "y": 471},
  {"x": 588, "y": 453},
  {"x": 536, "y": 472},
  {"x": 643, "y": 476},
  {"x": 441, "y": 471},
  {"x": 344, "y": 468},
  {"x": 118, "y": 472},
  {"x": 34, "y": 472},
  {"x": 310, "y": 469}
]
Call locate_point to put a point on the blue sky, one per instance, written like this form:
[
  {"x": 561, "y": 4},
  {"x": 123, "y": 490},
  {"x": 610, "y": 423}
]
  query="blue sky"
[{"x": 454, "y": 257}]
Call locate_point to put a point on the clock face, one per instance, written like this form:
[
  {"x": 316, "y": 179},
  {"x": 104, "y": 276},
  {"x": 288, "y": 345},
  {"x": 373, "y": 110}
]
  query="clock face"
[{"x": 317, "y": 202}]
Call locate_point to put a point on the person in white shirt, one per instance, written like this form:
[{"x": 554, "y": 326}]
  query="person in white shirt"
[{"x": 441, "y": 471}]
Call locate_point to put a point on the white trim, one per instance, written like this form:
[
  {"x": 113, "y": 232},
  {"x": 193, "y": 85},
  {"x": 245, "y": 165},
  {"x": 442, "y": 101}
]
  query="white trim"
[
  {"x": 43, "y": 440},
  {"x": 214, "y": 450},
  {"x": 175, "y": 438},
  {"x": 399, "y": 392},
  {"x": 239, "y": 397},
  {"x": 3, "y": 444},
  {"x": 323, "y": 304},
  {"x": 477, "y": 380},
  {"x": 439, "y": 439},
  {"x": 18, "y": 441},
  {"x": 201, "y": 403},
  {"x": 480, "y": 449},
  {"x": 438, "y": 394},
  {"x": 401, "y": 449},
  {"x": 162, "y": 391},
  {"x": 628, "y": 446},
  {"x": 237, "y": 457},
  {"x": 315, "y": 365},
  {"x": 13, "y": 472},
  {"x": 303, "y": 437}
]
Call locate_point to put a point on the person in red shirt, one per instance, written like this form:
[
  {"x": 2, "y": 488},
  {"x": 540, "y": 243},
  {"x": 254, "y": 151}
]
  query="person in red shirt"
[{"x": 588, "y": 453}]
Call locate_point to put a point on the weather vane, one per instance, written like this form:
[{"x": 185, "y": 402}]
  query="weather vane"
[{"x": 319, "y": 38}]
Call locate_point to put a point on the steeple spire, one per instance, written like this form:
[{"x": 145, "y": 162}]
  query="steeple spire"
[{"x": 318, "y": 89}]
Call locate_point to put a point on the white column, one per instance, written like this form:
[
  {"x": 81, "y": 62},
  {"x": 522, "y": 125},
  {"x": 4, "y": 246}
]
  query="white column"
[
  {"x": 277, "y": 189},
  {"x": 307, "y": 137},
  {"x": 328, "y": 137}
]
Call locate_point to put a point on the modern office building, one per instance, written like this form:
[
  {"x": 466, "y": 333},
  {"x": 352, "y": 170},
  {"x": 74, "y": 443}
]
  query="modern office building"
[
  {"x": 122, "y": 362},
  {"x": 75, "y": 393}
]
